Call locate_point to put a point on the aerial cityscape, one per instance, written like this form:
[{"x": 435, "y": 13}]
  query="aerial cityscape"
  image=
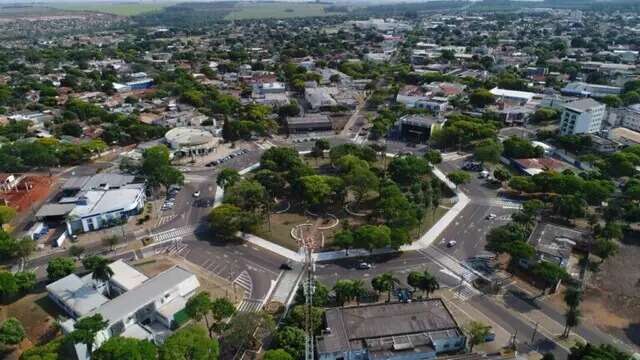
[{"x": 350, "y": 180}]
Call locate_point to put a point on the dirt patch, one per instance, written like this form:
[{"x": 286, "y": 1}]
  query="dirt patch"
[
  {"x": 37, "y": 313},
  {"x": 30, "y": 191},
  {"x": 216, "y": 286}
]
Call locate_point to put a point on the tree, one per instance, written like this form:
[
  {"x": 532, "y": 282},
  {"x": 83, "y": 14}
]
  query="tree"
[
  {"x": 76, "y": 251},
  {"x": 372, "y": 237},
  {"x": 385, "y": 282},
  {"x": 569, "y": 206},
  {"x": 501, "y": 174},
  {"x": 157, "y": 168},
  {"x": 549, "y": 273},
  {"x": 572, "y": 319},
  {"x": 459, "y": 177},
  {"x": 24, "y": 248},
  {"x": 343, "y": 290},
  {"x": 111, "y": 241},
  {"x": 102, "y": 273},
  {"x": 60, "y": 267},
  {"x": 190, "y": 343},
  {"x": 6, "y": 214},
  {"x": 406, "y": 169},
  {"x": 319, "y": 148},
  {"x": 280, "y": 159},
  {"x": 361, "y": 180},
  {"x": 344, "y": 240},
  {"x": 481, "y": 98},
  {"x": 488, "y": 150},
  {"x": 119, "y": 348},
  {"x": 433, "y": 157},
  {"x": 198, "y": 308},
  {"x": 86, "y": 329},
  {"x": 272, "y": 181},
  {"x": 25, "y": 280},
  {"x": 321, "y": 190},
  {"x": 227, "y": 177},
  {"x": 246, "y": 194},
  {"x": 581, "y": 351},
  {"x": 291, "y": 340},
  {"x": 605, "y": 248},
  {"x": 277, "y": 354},
  {"x": 8, "y": 284},
  {"x": 226, "y": 220},
  {"x": 517, "y": 148},
  {"x": 428, "y": 284},
  {"x": 477, "y": 332},
  {"x": 543, "y": 115},
  {"x": 548, "y": 356},
  {"x": 221, "y": 308},
  {"x": 11, "y": 332},
  {"x": 246, "y": 329}
]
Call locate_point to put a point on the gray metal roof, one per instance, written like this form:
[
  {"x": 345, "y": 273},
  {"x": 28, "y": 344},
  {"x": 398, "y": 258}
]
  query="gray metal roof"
[
  {"x": 98, "y": 181},
  {"x": 48, "y": 210},
  {"x": 77, "y": 293},
  {"x": 129, "y": 302},
  {"x": 583, "y": 105}
]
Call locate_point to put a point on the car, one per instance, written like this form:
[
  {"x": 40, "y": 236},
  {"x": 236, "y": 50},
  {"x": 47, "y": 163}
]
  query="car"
[
  {"x": 196, "y": 194},
  {"x": 451, "y": 243},
  {"x": 364, "y": 266},
  {"x": 491, "y": 216},
  {"x": 285, "y": 266}
]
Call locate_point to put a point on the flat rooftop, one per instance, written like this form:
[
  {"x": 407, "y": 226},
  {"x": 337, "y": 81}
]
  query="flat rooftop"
[{"x": 349, "y": 326}]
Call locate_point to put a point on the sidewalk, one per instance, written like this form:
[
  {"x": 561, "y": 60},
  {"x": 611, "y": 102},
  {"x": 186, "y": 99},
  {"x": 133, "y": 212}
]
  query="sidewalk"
[{"x": 275, "y": 248}]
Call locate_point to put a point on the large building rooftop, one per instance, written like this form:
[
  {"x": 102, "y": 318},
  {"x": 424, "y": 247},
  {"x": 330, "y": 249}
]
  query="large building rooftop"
[{"x": 353, "y": 327}]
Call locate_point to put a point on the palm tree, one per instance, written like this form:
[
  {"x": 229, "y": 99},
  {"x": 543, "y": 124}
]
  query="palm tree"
[
  {"x": 102, "y": 273},
  {"x": 572, "y": 319},
  {"x": 357, "y": 290},
  {"x": 389, "y": 283},
  {"x": 573, "y": 297},
  {"x": 429, "y": 283},
  {"x": 344, "y": 291},
  {"x": 414, "y": 279}
]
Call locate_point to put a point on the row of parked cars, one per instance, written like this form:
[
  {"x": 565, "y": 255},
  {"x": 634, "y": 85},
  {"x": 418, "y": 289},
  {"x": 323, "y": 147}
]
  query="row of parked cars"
[
  {"x": 170, "y": 200},
  {"x": 227, "y": 158}
]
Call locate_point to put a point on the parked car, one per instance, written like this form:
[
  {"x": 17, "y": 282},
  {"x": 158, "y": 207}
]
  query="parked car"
[
  {"x": 364, "y": 266},
  {"x": 451, "y": 243},
  {"x": 196, "y": 194},
  {"x": 491, "y": 216}
]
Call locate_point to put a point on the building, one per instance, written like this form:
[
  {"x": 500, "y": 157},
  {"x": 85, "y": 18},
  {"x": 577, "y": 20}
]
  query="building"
[
  {"x": 583, "y": 116},
  {"x": 187, "y": 141},
  {"x": 418, "y": 128},
  {"x": 583, "y": 89},
  {"x": 320, "y": 97},
  {"x": 89, "y": 203},
  {"x": 514, "y": 97},
  {"x": 554, "y": 243},
  {"x": 132, "y": 304},
  {"x": 539, "y": 165},
  {"x": 9, "y": 182},
  {"x": 415, "y": 330},
  {"x": 630, "y": 117},
  {"x": 624, "y": 136},
  {"x": 310, "y": 122}
]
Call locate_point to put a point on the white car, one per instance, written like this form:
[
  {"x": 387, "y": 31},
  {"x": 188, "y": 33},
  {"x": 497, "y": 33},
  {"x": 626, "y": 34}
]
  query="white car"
[
  {"x": 364, "y": 266},
  {"x": 451, "y": 243},
  {"x": 196, "y": 194},
  {"x": 491, "y": 216}
]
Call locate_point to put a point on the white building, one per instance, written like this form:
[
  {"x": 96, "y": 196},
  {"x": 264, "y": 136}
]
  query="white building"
[
  {"x": 187, "y": 141},
  {"x": 320, "y": 97},
  {"x": 97, "y": 209},
  {"x": 133, "y": 305},
  {"x": 582, "y": 117},
  {"x": 630, "y": 117}
]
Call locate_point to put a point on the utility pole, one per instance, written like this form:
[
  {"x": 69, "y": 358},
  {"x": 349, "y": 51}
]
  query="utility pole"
[
  {"x": 535, "y": 331},
  {"x": 308, "y": 308}
]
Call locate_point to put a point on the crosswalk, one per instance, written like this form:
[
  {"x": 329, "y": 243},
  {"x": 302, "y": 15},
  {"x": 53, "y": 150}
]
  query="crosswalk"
[
  {"x": 449, "y": 263},
  {"x": 173, "y": 234},
  {"x": 508, "y": 204},
  {"x": 193, "y": 178},
  {"x": 165, "y": 219},
  {"x": 250, "y": 305},
  {"x": 244, "y": 281},
  {"x": 465, "y": 291}
]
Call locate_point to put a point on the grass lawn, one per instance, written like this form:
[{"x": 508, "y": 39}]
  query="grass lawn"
[
  {"x": 276, "y": 11},
  {"x": 122, "y": 9},
  {"x": 214, "y": 285},
  {"x": 280, "y": 233}
]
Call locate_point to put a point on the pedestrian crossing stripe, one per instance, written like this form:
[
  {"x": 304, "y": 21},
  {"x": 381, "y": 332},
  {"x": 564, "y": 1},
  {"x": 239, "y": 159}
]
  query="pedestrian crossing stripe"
[{"x": 250, "y": 305}]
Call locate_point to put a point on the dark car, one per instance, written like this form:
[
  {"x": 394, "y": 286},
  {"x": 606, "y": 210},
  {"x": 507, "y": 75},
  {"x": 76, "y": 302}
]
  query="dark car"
[{"x": 285, "y": 266}]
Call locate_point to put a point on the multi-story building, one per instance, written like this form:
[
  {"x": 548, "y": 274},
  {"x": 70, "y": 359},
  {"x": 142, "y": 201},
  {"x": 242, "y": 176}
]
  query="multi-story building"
[
  {"x": 582, "y": 117},
  {"x": 630, "y": 117},
  {"x": 133, "y": 305}
]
